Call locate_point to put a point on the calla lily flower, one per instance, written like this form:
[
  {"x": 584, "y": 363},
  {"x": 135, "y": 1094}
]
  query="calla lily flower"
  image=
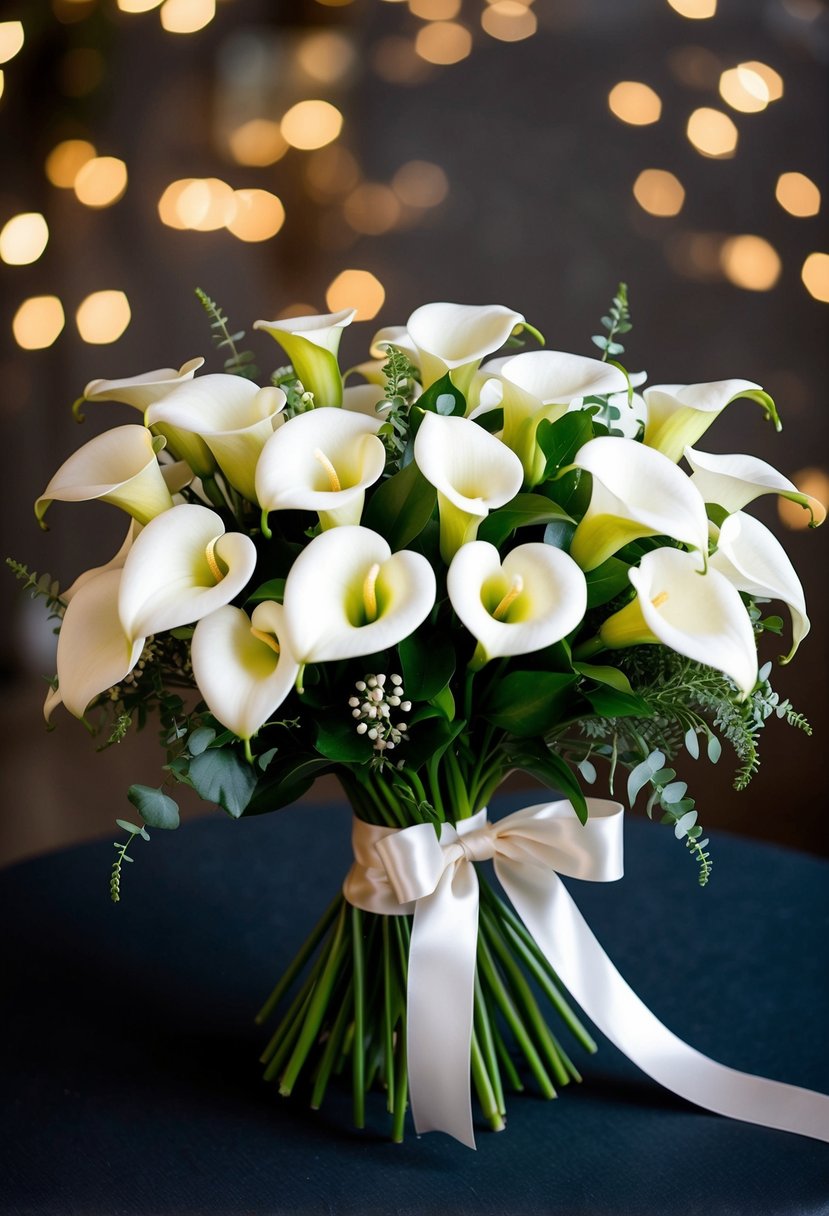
[
  {"x": 456, "y": 337},
  {"x": 733, "y": 481},
  {"x": 242, "y": 665},
  {"x": 679, "y": 413},
  {"x": 348, "y": 595},
  {"x": 118, "y": 466},
  {"x": 472, "y": 471},
  {"x": 534, "y": 598},
  {"x": 636, "y": 492},
  {"x": 181, "y": 567},
  {"x": 143, "y": 390},
  {"x": 363, "y": 399},
  {"x": 321, "y": 461},
  {"x": 311, "y": 343},
  {"x": 94, "y": 652},
  {"x": 698, "y": 615},
  {"x": 234, "y": 417},
  {"x": 541, "y": 384},
  {"x": 394, "y": 335},
  {"x": 753, "y": 560}
]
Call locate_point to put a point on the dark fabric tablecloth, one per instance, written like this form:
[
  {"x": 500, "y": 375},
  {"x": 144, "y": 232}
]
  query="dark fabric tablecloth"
[{"x": 130, "y": 1060}]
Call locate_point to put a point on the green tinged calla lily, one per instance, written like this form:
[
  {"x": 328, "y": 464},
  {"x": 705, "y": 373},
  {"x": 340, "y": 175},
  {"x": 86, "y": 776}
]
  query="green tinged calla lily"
[
  {"x": 732, "y": 481},
  {"x": 455, "y": 338},
  {"x": 678, "y": 414},
  {"x": 311, "y": 344}
]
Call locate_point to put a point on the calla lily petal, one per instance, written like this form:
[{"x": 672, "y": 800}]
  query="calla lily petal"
[
  {"x": 393, "y": 335},
  {"x": 142, "y": 390},
  {"x": 242, "y": 665},
  {"x": 472, "y": 471},
  {"x": 534, "y": 598},
  {"x": 733, "y": 481},
  {"x": 363, "y": 399},
  {"x": 115, "y": 563},
  {"x": 455, "y": 337},
  {"x": 234, "y": 417},
  {"x": 348, "y": 595},
  {"x": 321, "y": 461},
  {"x": 636, "y": 492},
  {"x": 119, "y": 466},
  {"x": 311, "y": 343},
  {"x": 753, "y": 560},
  {"x": 698, "y": 615},
  {"x": 181, "y": 567},
  {"x": 94, "y": 653},
  {"x": 678, "y": 414}
]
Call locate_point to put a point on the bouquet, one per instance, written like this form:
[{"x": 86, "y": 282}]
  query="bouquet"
[{"x": 422, "y": 576}]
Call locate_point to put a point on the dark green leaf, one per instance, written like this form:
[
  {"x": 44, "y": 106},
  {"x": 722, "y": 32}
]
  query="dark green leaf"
[
  {"x": 491, "y": 421},
  {"x": 544, "y": 764},
  {"x": 606, "y": 675},
  {"x": 338, "y": 740},
  {"x": 610, "y": 703},
  {"x": 200, "y": 740},
  {"x": 154, "y": 806},
  {"x": 428, "y": 663},
  {"x": 559, "y": 534},
  {"x": 606, "y": 582},
  {"x": 289, "y": 782},
  {"x": 438, "y": 393},
  {"x": 560, "y": 440},
  {"x": 273, "y": 589},
  {"x": 520, "y": 512},
  {"x": 220, "y": 776},
  {"x": 401, "y": 506},
  {"x": 528, "y": 702}
]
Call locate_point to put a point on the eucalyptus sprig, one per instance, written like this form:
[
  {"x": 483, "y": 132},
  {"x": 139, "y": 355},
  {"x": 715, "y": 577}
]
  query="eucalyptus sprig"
[
  {"x": 238, "y": 362},
  {"x": 616, "y": 322}
]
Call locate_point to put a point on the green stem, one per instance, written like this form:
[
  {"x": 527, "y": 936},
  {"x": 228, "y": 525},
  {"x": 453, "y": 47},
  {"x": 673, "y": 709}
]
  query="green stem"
[
  {"x": 317, "y": 1006},
  {"x": 388, "y": 1018},
  {"x": 457, "y": 785},
  {"x": 586, "y": 650},
  {"x": 401, "y": 1077},
  {"x": 358, "y": 1056},
  {"x": 434, "y": 786},
  {"x": 483, "y": 1086},
  {"x": 484, "y": 1031},
  {"x": 510, "y": 1071},
  {"x": 496, "y": 986},
  {"x": 300, "y": 999},
  {"x": 332, "y": 1048},
  {"x": 300, "y": 959}
]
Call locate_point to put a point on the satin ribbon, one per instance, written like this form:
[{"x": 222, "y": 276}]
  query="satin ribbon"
[{"x": 410, "y": 870}]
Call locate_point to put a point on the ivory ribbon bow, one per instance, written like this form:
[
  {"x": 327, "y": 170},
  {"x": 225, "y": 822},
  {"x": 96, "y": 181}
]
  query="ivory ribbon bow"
[{"x": 402, "y": 871}]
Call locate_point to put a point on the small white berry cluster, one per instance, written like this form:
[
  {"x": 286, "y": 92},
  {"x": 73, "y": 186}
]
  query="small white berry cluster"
[{"x": 379, "y": 695}]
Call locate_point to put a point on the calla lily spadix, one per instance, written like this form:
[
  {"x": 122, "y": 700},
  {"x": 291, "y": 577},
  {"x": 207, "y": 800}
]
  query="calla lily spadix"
[
  {"x": 311, "y": 343},
  {"x": 678, "y": 414},
  {"x": 472, "y": 471},
  {"x": 94, "y": 652},
  {"x": 119, "y": 466},
  {"x": 347, "y": 594},
  {"x": 636, "y": 492},
  {"x": 234, "y": 417},
  {"x": 142, "y": 390},
  {"x": 321, "y": 461},
  {"x": 753, "y": 560},
  {"x": 181, "y": 567},
  {"x": 733, "y": 481},
  {"x": 541, "y": 384},
  {"x": 536, "y": 597},
  {"x": 456, "y": 337},
  {"x": 242, "y": 665},
  {"x": 698, "y": 615}
]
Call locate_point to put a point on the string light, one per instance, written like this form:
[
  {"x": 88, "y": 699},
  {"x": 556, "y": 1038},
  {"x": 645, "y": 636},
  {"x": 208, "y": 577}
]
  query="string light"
[
  {"x": 797, "y": 194},
  {"x": 258, "y": 215},
  {"x": 258, "y": 142},
  {"x": 443, "y": 42},
  {"x": 187, "y": 16},
  {"x": 659, "y": 192},
  {"x": 420, "y": 184},
  {"x": 358, "y": 289},
  {"x": 771, "y": 79},
  {"x": 712, "y": 133},
  {"x": 206, "y": 204},
  {"x": 102, "y": 317},
  {"x": 694, "y": 10},
  {"x": 634, "y": 102},
  {"x": 66, "y": 160},
  {"x": 12, "y": 38},
  {"x": 815, "y": 275},
  {"x": 509, "y": 21},
  {"x": 744, "y": 90},
  {"x": 750, "y": 262},
  {"x": 38, "y": 322},
  {"x": 326, "y": 56},
  {"x": 23, "y": 239},
  {"x": 101, "y": 181},
  {"x": 311, "y": 124}
]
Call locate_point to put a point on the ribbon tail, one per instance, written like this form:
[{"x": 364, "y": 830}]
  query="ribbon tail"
[
  {"x": 545, "y": 906},
  {"x": 441, "y": 992}
]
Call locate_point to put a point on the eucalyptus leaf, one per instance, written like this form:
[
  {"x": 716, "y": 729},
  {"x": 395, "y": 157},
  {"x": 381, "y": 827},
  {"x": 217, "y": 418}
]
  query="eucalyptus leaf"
[
  {"x": 219, "y": 775},
  {"x": 154, "y": 806},
  {"x": 692, "y": 743},
  {"x": 133, "y": 828},
  {"x": 200, "y": 740}
]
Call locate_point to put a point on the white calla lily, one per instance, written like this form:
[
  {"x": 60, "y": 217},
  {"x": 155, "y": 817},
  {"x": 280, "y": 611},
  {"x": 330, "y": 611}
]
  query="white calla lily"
[
  {"x": 321, "y": 461},
  {"x": 753, "y": 560},
  {"x": 456, "y": 337},
  {"x": 233, "y": 416},
  {"x": 534, "y": 598},
  {"x": 678, "y": 414},
  {"x": 347, "y": 594},
  {"x": 94, "y": 653},
  {"x": 142, "y": 390},
  {"x": 636, "y": 492},
  {"x": 364, "y": 399},
  {"x": 698, "y": 615},
  {"x": 182, "y": 566},
  {"x": 472, "y": 471},
  {"x": 115, "y": 563},
  {"x": 119, "y": 466},
  {"x": 733, "y": 481},
  {"x": 544, "y": 384},
  {"x": 394, "y": 335},
  {"x": 242, "y": 665},
  {"x": 311, "y": 343}
]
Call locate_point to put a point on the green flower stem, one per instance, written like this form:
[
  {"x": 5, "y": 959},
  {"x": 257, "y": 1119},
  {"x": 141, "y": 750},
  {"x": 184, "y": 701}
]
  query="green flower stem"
[
  {"x": 332, "y": 1048},
  {"x": 496, "y": 986},
  {"x": 300, "y": 959},
  {"x": 487, "y": 1043},
  {"x": 293, "y": 1023},
  {"x": 524, "y": 997},
  {"x": 388, "y": 1018},
  {"x": 300, "y": 1000},
  {"x": 483, "y": 1087},
  {"x": 586, "y": 650},
  {"x": 317, "y": 1006},
  {"x": 434, "y": 786},
  {"x": 358, "y": 1056},
  {"x": 510, "y": 1071},
  {"x": 214, "y": 493},
  {"x": 565, "y": 1059},
  {"x": 457, "y": 785},
  {"x": 401, "y": 1074}
]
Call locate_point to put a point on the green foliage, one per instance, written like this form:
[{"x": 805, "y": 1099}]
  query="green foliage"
[
  {"x": 219, "y": 775},
  {"x": 616, "y": 322},
  {"x": 237, "y": 363},
  {"x": 39, "y": 586},
  {"x": 522, "y": 511},
  {"x": 154, "y": 806},
  {"x": 121, "y": 856},
  {"x": 677, "y": 809},
  {"x": 427, "y": 659},
  {"x": 528, "y": 703},
  {"x": 401, "y": 381},
  {"x": 401, "y": 506}
]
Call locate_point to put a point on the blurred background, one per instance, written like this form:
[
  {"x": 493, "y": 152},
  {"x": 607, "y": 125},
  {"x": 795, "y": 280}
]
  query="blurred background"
[{"x": 294, "y": 156}]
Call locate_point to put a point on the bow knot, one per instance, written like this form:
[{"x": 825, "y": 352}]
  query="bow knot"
[{"x": 480, "y": 845}]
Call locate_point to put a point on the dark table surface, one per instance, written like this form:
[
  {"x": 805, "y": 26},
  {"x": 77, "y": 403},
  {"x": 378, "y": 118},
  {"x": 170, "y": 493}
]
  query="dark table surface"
[{"x": 132, "y": 1082}]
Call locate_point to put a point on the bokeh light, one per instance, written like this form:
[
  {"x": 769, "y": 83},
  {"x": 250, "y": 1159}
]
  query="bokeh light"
[
  {"x": 138, "y": 6},
  {"x": 258, "y": 142},
  {"x": 750, "y": 262},
  {"x": 38, "y": 322},
  {"x": 815, "y": 275},
  {"x": 712, "y": 133},
  {"x": 372, "y": 209},
  {"x": 695, "y": 66},
  {"x": 326, "y": 56},
  {"x": 694, "y": 10},
  {"x": 101, "y": 181},
  {"x": 696, "y": 255},
  {"x": 509, "y": 21},
  {"x": 187, "y": 16},
  {"x": 744, "y": 90},
  {"x": 2, "y": 81},
  {"x": 443, "y": 42},
  {"x": 635, "y": 103},
  {"x": 435, "y": 10},
  {"x": 66, "y": 160},
  {"x": 813, "y": 481},
  {"x": 330, "y": 172},
  {"x": 797, "y": 194},
  {"x": 395, "y": 60},
  {"x": 358, "y": 289},
  {"x": 419, "y": 183},
  {"x": 659, "y": 192},
  {"x": 102, "y": 317},
  {"x": 168, "y": 203},
  {"x": 258, "y": 215},
  {"x": 772, "y": 79},
  {"x": 311, "y": 124},
  {"x": 11, "y": 39},
  {"x": 206, "y": 204},
  {"x": 23, "y": 239}
]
